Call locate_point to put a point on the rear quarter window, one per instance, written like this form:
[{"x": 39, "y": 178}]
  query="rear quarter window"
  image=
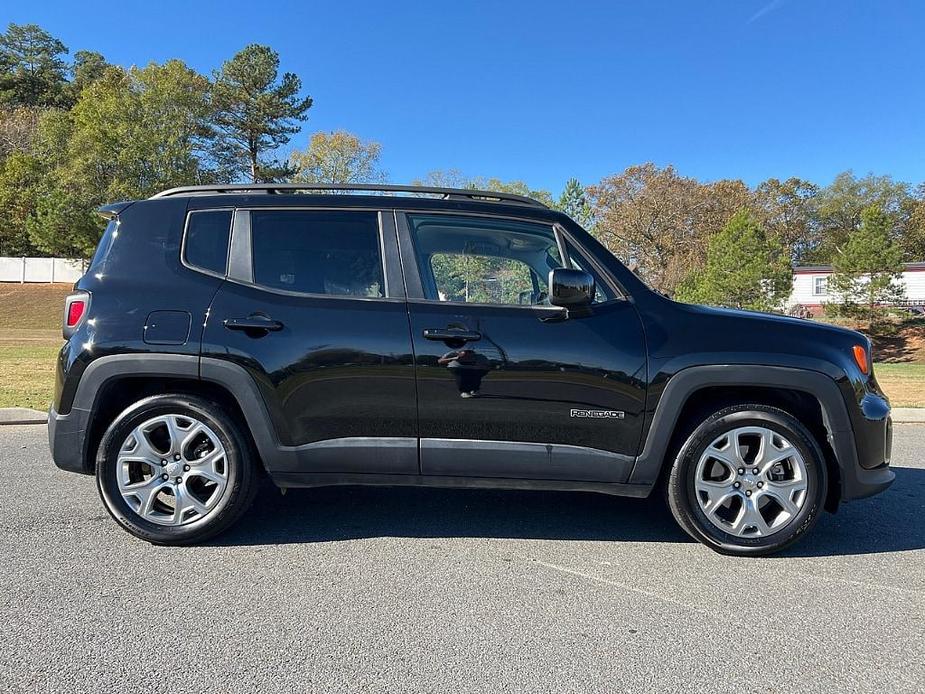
[
  {"x": 205, "y": 245},
  {"x": 102, "y": 248}
]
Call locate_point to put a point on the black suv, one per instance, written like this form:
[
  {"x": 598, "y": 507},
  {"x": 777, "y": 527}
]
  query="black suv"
[{"x": 438, "y": 337}]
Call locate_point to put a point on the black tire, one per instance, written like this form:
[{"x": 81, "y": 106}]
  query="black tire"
[
  {"x": 682, "y": 497},
  {"x": 242, "y": 470}
]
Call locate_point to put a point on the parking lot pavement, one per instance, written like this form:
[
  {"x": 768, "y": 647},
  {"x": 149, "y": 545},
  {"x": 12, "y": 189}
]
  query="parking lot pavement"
[{"x": 446, "y": 591}]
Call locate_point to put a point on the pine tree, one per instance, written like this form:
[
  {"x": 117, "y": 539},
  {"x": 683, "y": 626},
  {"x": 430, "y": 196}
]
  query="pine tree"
[
  {"x": 32, "y": 70},
  {"x": 574, "y": 202},
  {"x": 744, "y": 269},
  {"x": 868, "y": 267},
  {"x": 255, "y": 113}
]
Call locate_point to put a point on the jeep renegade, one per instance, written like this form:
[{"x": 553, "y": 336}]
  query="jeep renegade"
[{"x": 396, "y": 335}]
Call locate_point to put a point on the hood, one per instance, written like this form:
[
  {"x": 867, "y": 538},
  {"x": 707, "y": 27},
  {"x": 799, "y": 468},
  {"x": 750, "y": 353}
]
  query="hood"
[
  {"x": 786, "y": 322},
  {"x": 701, "y": 334}
]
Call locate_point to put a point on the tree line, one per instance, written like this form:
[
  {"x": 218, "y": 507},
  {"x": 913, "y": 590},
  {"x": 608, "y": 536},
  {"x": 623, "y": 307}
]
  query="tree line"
[{"x": 77, "y": 132}]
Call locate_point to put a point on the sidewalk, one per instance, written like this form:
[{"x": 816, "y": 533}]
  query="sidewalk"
[
  {"x": 23, "y": 415},
  {"x": 908, "y": 415}
]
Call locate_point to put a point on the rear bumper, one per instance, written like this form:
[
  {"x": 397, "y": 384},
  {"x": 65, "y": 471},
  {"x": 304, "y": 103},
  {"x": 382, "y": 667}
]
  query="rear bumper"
[{"x": 67, "y": 436}]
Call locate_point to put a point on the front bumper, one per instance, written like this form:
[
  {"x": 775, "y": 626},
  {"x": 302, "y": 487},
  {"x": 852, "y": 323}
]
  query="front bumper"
[
  {"x": 859, "y": 483},
  {"x": 67, "y": 439},
  {"x": 873, "y": 439}
]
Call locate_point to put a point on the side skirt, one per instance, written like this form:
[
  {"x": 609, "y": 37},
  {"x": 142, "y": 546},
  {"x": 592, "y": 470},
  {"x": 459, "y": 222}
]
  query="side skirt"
[{"x": 311, "y": 479}]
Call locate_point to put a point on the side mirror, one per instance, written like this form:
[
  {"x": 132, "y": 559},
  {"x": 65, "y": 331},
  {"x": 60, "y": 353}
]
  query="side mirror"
[{"x": 570, "y": 288}]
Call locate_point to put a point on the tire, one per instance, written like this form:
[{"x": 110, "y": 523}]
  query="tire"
[
  {"x": 208, "y": 488},
  {"x": 792, "y": 491}
]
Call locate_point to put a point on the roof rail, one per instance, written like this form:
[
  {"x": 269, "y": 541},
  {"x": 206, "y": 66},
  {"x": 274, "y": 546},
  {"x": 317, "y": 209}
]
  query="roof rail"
[{"x": 279, "y": 188}]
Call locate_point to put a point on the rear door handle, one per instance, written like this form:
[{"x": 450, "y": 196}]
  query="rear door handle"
[
  {"x": 253, "y": 323},
  {"x": 452, "y": 335}
]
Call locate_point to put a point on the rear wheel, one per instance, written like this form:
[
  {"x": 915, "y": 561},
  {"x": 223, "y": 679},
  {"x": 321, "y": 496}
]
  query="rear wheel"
[
  {"x": 175, "y": 470},
  {"x": 749, "y": 480}
]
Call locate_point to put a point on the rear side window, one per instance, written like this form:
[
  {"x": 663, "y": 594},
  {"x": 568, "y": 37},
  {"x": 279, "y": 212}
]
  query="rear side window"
[
  {"x": 102, "y": 248},
  {"x": 317, "y": 252},
  {"x": 206, "y": 244}
]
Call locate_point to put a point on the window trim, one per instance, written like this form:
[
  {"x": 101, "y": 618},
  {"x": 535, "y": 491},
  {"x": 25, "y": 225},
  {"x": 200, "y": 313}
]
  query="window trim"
[
  {"x": 620, "y": 294},
  {"x": 242, "y": 263},
  {"x": 825, "y": 287},
  {"x": 183, "y": 241}
]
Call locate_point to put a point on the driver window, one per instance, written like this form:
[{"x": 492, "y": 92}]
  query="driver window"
[
  {"x": 475, "y": 279},
  {"x": 484, "y": 261}
]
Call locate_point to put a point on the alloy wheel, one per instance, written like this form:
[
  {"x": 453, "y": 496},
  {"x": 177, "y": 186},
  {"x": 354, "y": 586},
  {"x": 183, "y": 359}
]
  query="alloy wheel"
[
  {"x": 751, "y": 482},
  {"x": 172, "y": 470}
]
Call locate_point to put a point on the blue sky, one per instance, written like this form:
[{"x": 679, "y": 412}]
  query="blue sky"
[{"x": 542, "y": 91}]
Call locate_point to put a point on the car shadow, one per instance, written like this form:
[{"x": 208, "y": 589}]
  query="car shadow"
[
  {"x": 890, "y": 522},
  {"x": 893, "y": 521},
  {"x": 345, "y": 513}
]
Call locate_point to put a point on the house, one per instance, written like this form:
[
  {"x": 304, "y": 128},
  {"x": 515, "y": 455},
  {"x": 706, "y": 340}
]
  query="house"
[{"x": 811, "y": 286}]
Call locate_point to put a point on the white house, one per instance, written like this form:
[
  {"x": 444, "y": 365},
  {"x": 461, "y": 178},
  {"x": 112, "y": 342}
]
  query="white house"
[{"x": 811, "y": 286}]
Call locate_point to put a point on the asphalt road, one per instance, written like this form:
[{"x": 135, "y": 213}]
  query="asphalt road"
[{"x": 449, "y": 591}]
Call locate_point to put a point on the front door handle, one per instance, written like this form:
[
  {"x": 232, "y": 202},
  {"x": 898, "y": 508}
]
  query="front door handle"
[
  {"x": 253, "y": 323},
  {"x": 452, "y": 335}
]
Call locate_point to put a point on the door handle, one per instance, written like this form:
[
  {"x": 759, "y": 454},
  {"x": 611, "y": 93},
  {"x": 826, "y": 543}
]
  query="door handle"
[
  {"x": 452, "y": 335},
  {"x": 253, "y": 323}
]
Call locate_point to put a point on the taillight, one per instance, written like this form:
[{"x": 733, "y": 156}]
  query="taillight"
[
  {"x": 860, "y": 358},
  {"x": 75, "y": 310}
]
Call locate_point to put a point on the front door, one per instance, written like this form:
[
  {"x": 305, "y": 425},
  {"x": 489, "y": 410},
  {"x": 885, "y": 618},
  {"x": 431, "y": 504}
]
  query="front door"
[
  {"x": 508, "y": 387},
  {"x": 319, "y": 321}
]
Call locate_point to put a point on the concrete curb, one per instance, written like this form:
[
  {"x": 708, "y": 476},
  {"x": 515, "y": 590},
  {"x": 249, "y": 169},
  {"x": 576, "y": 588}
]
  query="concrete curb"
[
  {"x": 908, "y": 415},
  {"x": 22, "y": 415}
]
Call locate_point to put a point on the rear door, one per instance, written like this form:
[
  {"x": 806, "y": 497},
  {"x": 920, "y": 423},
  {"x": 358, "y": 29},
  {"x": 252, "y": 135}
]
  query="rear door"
[
  {"x": 314, "y": 311},
  {"x": 508, "y": 387}
]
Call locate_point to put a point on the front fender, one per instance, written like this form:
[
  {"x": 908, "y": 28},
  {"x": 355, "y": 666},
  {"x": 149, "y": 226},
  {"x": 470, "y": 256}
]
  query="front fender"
[{"x": 855, "y": 481}]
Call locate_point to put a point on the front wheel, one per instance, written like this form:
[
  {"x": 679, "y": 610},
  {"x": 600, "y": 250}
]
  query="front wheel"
[
  {"x": 175, "y": 469},
  {"x": 750, "y": 480}
]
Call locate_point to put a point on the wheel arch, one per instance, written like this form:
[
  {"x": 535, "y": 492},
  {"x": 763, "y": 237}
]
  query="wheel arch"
[
  {"x": 111, "y": 384},
  {"x": 694, "y": 393}
]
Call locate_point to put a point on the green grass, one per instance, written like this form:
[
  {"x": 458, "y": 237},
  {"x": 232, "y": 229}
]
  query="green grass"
[
  {"x": 30, "y": 337},
  {"x": 894, "y": 369},
  {"x": 27, "y": 374}
]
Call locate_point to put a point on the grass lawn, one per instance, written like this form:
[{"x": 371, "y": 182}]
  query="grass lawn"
[
  {"x": 32, "y": 306},
  {"x": 903, "y": 383},
  {"x": 30, "y": 337},
  {"x": 27, "y": 373}
]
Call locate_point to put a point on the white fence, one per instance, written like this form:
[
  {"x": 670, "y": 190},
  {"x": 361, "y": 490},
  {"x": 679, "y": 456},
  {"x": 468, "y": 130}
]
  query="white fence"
[{"x": 41, "y": 269}]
